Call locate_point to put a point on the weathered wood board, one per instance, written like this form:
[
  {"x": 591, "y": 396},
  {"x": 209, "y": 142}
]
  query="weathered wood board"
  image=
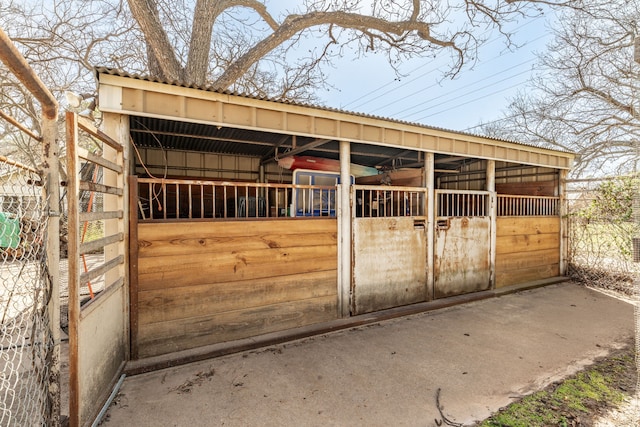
[
  {"x": 527, "y": 249},
  {"x": 202, "y": 283},
  {"x": 389, "y": 263}
]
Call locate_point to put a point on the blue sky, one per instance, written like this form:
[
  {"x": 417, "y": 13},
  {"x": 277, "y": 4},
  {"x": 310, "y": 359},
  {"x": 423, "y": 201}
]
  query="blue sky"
[{"x": 423, "y": 96}]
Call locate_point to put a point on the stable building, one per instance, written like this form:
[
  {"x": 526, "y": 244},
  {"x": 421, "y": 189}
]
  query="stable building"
[{"x": 228, "y": 217}]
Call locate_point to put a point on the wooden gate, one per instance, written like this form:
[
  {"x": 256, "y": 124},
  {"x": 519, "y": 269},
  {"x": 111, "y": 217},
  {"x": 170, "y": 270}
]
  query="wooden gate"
[
  {"x": 98, "y": 331},
  {"x": 389, "y": 247},
  {"x": 462, "y": 245}
]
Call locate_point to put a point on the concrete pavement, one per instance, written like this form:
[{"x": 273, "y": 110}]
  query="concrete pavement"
[{"x": 482, "y": 355}]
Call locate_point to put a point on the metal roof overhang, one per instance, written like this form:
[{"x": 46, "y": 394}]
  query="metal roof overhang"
[{"x": 193, "y": 119}]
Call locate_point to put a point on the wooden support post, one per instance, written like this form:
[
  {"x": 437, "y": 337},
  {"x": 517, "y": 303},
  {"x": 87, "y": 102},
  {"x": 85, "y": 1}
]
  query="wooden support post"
[
  {"x": 429, "y": 183},
  {"x": 493, "y": 215},
  {"x": 71, "y": 122},
  {"x": 344, "y": 231}
]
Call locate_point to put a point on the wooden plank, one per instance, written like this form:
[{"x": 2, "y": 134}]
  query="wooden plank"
[
  {"x": 133, "y": 267},
  {"x": 100, "y": 270},
  {"x": 509, "y": 226},
  {"x": 515, "y": 277},
  {"x": 187, "y": 270},
  {"x": 167, "y": 337},
  {"x": 181, "y": 303},
  {"x": 100, "y": 243},
  {"x": 212, "y": 242},
  {"x": 100, "y": 188},
  {"x": 99, "y": 216},
  {"x": 194, "y": 229},
  {"x": 88, "y": 127},
  {"x": 516, "y": 261},
  {"x": 71, "y": 124},
  {"x": 83, "y": 153},
  {"x": 527, "y": 242}
]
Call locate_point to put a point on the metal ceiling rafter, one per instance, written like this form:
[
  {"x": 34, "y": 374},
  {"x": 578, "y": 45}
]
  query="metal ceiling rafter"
[
  {"x": 306, "y": 147},
  {"x": 203, "y": 137}
]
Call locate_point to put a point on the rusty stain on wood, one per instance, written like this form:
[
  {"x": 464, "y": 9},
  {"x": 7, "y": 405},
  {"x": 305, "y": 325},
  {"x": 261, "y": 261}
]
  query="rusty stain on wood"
[
  {"x": 462, "y": 257},
  {"x": 389, "y": 263}
]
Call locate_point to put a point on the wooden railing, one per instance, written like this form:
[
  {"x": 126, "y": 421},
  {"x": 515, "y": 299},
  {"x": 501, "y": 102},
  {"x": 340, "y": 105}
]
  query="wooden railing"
[
  {"x": 509, "y": 205},
  {"x": 383, "y": 201},
  {"x": 162, "y": 199},
  {"x": 460, "y": 203}
]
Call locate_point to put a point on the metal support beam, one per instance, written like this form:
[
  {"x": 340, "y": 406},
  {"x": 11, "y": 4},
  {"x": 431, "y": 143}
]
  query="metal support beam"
[
  {"x": 429, "y": 183},
  {"x": 16, "y": 63},
  {"x": 493, "y": 215},
  {"x": 344, "y": 231},
  {"x": 307, "y": 147},
  {"x": 270, "y": 156}
]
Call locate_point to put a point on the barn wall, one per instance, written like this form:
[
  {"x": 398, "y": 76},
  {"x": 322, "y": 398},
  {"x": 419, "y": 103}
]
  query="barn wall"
[
  {"x": 192, "y": 164},
  {"x": 510, "y": 178},
  {"x": 201, "y": 283},
  {"x": 527, "y": 249}
]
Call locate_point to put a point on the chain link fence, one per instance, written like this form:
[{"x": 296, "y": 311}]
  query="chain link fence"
[
  {"x": 25, "y": 289},
  {"x": 601, "y": 230}
]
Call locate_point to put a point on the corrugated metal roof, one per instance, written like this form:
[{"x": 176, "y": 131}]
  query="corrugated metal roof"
[{"x": 120, "y": 73}]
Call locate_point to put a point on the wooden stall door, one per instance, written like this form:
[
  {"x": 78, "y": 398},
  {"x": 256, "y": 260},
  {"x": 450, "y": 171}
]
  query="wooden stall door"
[
  {"x": 462, "y": 244},
  {"x": 98, "y": 342}
]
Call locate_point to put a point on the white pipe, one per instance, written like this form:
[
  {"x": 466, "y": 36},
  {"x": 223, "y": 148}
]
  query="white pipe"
[{"x": 112, "y": 396}]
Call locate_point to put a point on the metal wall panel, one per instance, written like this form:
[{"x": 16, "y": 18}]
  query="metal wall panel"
[
  {"x": 389, "y": 263},
  {"x": 462, "y": 261}
]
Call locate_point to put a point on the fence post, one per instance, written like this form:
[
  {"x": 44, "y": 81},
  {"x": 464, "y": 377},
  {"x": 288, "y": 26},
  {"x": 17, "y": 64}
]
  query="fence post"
[
  {"x": 17, "y": 65},
  {"x": 564, "y": 219},
  {"x": 51, "y": 164}
]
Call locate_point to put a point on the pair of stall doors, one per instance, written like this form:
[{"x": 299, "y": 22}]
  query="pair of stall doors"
[{"x": 390, "y": 262}]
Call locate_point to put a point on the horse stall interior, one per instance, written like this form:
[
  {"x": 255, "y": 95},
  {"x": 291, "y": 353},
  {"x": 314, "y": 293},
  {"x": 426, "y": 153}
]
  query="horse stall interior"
[{"x": 226, "y": 243}]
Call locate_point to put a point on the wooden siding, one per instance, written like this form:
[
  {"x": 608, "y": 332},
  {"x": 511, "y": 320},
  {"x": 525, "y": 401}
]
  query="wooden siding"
[
  {"x": 527, "y": 249},
  {"x": 202, "y": 283}
]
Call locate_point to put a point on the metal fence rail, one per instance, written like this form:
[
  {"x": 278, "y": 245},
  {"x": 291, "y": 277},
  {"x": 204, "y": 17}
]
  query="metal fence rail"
[
  {"x": 25, "y": 342},
  {"x": 460, "y": 203},
  {"x": 162, "y": 199},
  {"x": 384, "y": 201},
  {"x": 510, "y": 205}
]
